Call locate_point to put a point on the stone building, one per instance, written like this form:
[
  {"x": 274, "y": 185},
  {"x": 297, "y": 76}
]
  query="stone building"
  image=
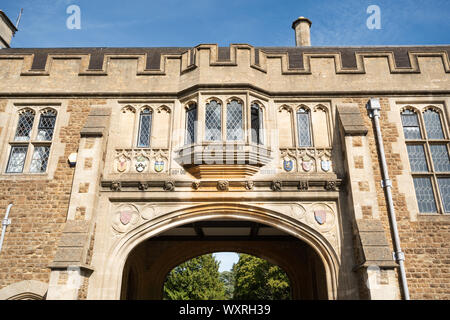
[{"x": 121, "y": 163}]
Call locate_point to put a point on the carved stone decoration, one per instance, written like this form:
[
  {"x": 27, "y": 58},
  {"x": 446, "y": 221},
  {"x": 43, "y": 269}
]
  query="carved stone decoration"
[
  {"x": 276, "y": 185},
  {"x": 143, "y": 186},
  {"x": 141, "y": 163},
  {"x": 116, "y": 186},
  {"x": 122, "y": 164},
  {"x": 195, "y": 185},
  {"x": 322, "y": 217},
  {"x": 125, "y": 217},
  {"x": 169, "y": 186},
  {"x": 222, "y": 185},
  {"x": 297, "y": 211},
  {"x": 303, "y": 185},
  {"x": 288, "y": 164},
  {"x": 330, "y": 185},
  {"x": 249, "y": 185},
  {"x": 325, "y": 165},
  {"x": 148, "y": 212},
  {"x": 307, "y": 164}
]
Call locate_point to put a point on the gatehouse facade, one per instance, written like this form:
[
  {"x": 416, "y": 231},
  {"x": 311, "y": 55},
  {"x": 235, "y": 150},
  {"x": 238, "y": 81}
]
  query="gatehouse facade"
[{"x": 121, "y": 163}]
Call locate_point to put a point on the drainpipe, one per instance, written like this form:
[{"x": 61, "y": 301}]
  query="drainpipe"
[
  {"x": 374, "y": 107},
  {"x": 5, "y": 222}
]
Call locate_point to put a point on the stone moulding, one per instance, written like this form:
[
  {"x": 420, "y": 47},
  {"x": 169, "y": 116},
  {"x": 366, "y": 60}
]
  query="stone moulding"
[{"x": 324, "y": 183}]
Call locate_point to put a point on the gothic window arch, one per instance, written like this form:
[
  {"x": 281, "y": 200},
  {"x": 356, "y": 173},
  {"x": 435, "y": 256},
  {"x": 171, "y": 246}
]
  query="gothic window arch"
[
  {"x": 235, "y": 130},
  {"x": 428, "y": 152},
  {"x": 191, "y": 124},
  {"x": 145, "y": 127},
  {"x": 257, "y": 123},
  {"x": 213, "y": 121},
  {"x": 304, "y": 135}
]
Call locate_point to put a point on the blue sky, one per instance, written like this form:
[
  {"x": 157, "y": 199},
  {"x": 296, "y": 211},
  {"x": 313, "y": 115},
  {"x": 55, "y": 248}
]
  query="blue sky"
[
  {"x": 187, "y": 23},
  {"x": 227, "y": 259}
]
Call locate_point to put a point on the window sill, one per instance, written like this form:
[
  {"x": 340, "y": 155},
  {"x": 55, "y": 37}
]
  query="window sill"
[{"x": 433, "y": 217}]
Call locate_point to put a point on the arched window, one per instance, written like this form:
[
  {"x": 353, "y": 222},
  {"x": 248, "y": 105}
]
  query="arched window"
[
  {"x": 410, "y": 123},
  {"x": 234, "y": 121},
  {"x": 257, "y": 124},
  {"x": 213, "y": 121},
  {"x": 145, "y": 128},
  {"x": 191, "y": 124},
  {"x": 433, "y": 125},
  {"x": 304, "y": 128},
  {"x": 46, "y": 125},
  {"x": 24, "y": 126},
  {"x": 429, "y": 160}
]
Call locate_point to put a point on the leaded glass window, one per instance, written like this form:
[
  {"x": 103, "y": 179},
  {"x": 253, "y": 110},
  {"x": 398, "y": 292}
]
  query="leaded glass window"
[
  {"x": 429, "y": 159},
  {"x": 439, "y": 154},
  {"x": 433, "y": 124},
  {"x": 304, "y": 128},
  {"x": 257, "y": 124},
  {"x": 145, "y": 127},
  {"x": 444, "y": 187},
  {"x": 417, "y": 160},
  {"x": 40, "y": 159},
  {"x": 24, "y": 126},
  {"x": 46, "y": 126},
  {"x": 234, "y": 121},
  {"x": 213, "y": 121},
  {"x": 191, "y": 124},
  {"x": 425, "y": 195},
  {"x": 17, "y": 159},
  {"x": 37, "y": 139},
  {"x": 410, "y": 123}
]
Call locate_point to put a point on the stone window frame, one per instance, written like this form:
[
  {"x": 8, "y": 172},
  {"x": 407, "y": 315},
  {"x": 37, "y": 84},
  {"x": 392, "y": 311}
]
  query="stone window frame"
[
  {"x": 189, "y": 107},
  {"x": 223, "y": 110},
  {"x": 431, "y": 174},
  {"x": 136, "y": 110},
  {"x": 296, "y": 126},
  {"x": 33, "y": 142},
  {"x": 138, "y": 125},
  {"x": 263, "y": 130}
]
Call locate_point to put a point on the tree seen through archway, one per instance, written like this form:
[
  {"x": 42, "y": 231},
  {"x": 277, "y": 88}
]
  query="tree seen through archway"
[{"x": 251, "y": 278}]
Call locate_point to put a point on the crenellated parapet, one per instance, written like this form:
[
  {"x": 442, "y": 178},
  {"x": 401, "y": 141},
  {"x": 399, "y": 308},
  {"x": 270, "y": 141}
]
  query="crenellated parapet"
[{"x": 294, "y": 60}]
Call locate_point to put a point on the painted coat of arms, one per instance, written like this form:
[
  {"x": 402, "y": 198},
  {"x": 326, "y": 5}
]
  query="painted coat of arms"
[
  {"x": 122, "y": 164},
  {"x": 140, "y": 163},
  {"x": 320, "y": 216},
  {"x": 326, "y": 165},
  {"x": 125, "y": 216},
  {"x": 307, "y": 165},
  {"x": 159, "y": 166},
  {"x": 288, "y": 165}
]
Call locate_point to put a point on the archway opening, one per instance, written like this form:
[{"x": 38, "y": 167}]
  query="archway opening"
[
  {"x": 149, "y": 263},
  {"x": 212, "y": 277}
]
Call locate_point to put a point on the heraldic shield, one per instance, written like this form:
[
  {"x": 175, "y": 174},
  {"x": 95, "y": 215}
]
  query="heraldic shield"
[
  {"x": 288, "y": 165},
  {"x": 320, "y": 216},
  {"x": 159, "y": 166}
]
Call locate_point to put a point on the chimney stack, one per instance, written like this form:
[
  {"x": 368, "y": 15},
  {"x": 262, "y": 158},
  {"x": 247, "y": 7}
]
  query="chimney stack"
[
  {"x": 7, "y": 30},
  {"x": 302, "y": 28}
]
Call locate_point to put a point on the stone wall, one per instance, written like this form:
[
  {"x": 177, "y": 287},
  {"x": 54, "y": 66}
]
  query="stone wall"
[
  {"x": 40, "y": 208},
  {"x": 424, "y": 241}
]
